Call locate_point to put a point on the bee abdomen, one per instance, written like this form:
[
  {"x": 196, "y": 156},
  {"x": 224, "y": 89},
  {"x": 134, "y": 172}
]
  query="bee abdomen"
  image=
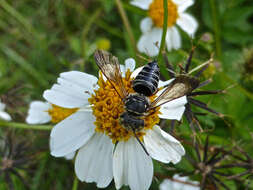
[{"x": 146, "y": 82}]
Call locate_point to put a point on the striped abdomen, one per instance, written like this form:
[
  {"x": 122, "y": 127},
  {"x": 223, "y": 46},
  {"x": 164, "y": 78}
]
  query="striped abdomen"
[{"x": 147, "y": 80}]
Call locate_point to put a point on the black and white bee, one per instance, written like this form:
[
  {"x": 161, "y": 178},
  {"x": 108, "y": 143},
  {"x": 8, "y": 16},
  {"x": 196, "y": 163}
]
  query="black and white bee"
[{"x": 137, "y": 105}]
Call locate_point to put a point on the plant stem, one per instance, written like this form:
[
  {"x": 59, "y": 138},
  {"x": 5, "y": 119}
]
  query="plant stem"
[
  {"x": 85, "y": 32},
  {"x": 162, "y": 46},
  {"x": 126, "y": 24},
  {"x": 15, "y": 14},
  {"x": 165, "y": 26},
  {"x": 75, "y": 184},
  {"x": 25, "y": 126},
  {"x": 216, "y": 28}
]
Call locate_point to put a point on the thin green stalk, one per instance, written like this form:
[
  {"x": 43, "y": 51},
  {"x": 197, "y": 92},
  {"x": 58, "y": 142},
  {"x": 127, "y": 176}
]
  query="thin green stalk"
[
  {"x": 15, "y": 14},
  {"x": 165, "y": 27},
  {"x": 216, "y": 28},
  {"x": 92, "y": 19},
  {"x": 126, "y": 24},
  {"x": 109, "y": 29},
  {"x": 162, "y": 46},
  {"x": 27, "y": 67},
  {"x": 75, "y": 184},
  {"x": 25, "y": 126}
]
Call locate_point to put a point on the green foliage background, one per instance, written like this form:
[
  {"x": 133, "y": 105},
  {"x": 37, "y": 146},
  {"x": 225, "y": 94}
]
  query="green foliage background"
[{"x": 40, "y": 39}]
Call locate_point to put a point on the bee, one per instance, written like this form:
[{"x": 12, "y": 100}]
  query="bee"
[{"x": 137, "y": 105}]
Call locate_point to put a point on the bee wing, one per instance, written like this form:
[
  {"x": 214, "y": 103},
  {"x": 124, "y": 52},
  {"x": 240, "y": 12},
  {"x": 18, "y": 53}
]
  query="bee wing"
[
  {"x": 181, "y": 86},
  {"x": 109, "y": 65}
]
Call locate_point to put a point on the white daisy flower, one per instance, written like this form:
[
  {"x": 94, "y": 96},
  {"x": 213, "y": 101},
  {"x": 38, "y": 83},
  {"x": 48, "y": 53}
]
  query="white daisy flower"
[
  {"x": 179, "y": 183},
  {"x": 4, "y": 115},
  {"x": 94, "y": 129},
  {"x": 43, "y": 112},
  {"x": 152, "y": 26}
]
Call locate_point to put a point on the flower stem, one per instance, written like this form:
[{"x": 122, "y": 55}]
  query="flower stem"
[
  {"x": 165, "y": 26},
  {"x": 25, "y": 126},
  {"x": 162, "y": 46},
  {"x": 126, "y": 24},
  {"x": 216, "y": 28},
  {"x": 75, "y": 184}
]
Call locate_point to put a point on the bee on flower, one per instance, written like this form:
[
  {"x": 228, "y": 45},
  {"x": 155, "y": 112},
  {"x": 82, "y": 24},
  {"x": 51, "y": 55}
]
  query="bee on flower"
[
  {"x": 152, "y": 25},
  {"x": 110, "y": 140}
]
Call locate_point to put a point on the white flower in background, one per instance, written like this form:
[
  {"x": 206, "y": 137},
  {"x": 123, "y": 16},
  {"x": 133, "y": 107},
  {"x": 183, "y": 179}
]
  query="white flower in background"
[
  {"x": 94, "y": 129},
  {"x": 179, "y": 183},
  {"x": 4, "y": 115},
  {"x": 43, "y": 112},
  {"x": 152, "y": 26}
]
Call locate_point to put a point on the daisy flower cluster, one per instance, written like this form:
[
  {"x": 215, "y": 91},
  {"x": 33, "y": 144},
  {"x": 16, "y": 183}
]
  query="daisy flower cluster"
[{"x": 152, "y": 25}]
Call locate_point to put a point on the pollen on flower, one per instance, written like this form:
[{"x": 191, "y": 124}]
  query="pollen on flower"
[
  {"x": 156, "y": 13},
  {"x": 108, "y": 106},
  {"x": 58, "y": 113}
]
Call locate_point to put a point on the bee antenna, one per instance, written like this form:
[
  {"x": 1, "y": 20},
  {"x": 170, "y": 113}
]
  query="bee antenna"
[{"x": 142, "y": 145}]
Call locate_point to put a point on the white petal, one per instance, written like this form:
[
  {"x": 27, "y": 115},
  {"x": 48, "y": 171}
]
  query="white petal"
[
  {"x": 38, "y": 112},
  {"x": 173, "y": 109},
  {"x": 84, "y": 80},
  {"x": 184, "y": 186},
  {"x": 146, "y": 24},
  {"x": 132, "y": 166},
  {"x": 136, "y": 72},
  {"x": 168, "y": 39},
  {"x": 183, "y": 4},
  {"x": 5, "y": 116},
  {"x": 129, "y": 64},
  {"x": 122, "y": 70},
  {"x": 164, "y": 83},
  {"x": 173, "y": 39},
  {"x": 166, "y": 185},
  {"x": 72, "y": 133},
  {"x": 73, "y": 90},
  {"x": 70, "y": 156},
  {"x": 2, "y": 106},
  {"x": 187, "y": 23},
  {"x": 94, "y": 161},
  {"x": 176, "y": 39},
  {"x": 162, "y": 146},
  {"x": 143, "y": 4},
  {"x": 149, "y": 42}
]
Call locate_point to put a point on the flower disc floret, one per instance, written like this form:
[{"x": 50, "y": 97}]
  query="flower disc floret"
[
  {"x": 58, "y": 113},
  {"x": 156, "y": 13},
  {"x": 108, "y": 106}
]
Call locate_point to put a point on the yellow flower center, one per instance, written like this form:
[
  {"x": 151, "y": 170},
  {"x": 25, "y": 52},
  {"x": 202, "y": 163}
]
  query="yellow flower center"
[
  {"x": 156, "y": 12},
  {"x": 108, "y": 106},
  {"x": 58, "y": 113}
]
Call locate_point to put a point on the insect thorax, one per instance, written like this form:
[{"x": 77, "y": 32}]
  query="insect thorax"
[
  {"x": 136, "y": 104},
  {"x": 131, "y": 122}
]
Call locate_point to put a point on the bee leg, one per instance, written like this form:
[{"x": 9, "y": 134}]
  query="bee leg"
[{"x": 142, "y": 145}]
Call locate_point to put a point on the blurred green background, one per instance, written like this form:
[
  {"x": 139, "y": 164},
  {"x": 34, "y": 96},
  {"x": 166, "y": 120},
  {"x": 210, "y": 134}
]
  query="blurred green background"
[{"x": 40, "y": 39}]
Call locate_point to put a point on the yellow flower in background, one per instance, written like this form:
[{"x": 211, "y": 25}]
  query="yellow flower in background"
[
  {"x": 152, "y": 25},
  {"x": 103, "y": 43}
]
